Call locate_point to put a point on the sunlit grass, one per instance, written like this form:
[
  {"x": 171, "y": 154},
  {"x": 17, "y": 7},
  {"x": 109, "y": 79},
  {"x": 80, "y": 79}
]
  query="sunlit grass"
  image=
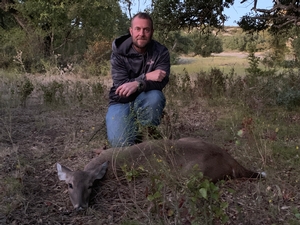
[{"x": 193, "y": 65}]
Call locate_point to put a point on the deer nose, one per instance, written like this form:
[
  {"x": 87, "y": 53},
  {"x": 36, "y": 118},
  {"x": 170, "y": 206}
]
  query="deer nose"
[{"x": 79, "y": 208}]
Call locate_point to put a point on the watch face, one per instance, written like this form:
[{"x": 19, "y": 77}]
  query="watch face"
[{"x": 140, "y": 86}]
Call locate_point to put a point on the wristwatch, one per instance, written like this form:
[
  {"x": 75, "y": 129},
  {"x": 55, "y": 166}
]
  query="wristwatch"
[{"x": 140, "y": 86}]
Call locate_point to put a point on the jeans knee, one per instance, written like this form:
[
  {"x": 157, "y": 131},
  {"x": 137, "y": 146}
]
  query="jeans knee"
[
  {"x": 154, "y": 99},
  {"x": 149, "y": 107}
]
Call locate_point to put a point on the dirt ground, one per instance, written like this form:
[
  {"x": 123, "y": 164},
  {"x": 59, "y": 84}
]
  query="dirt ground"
[
  {"x": 41, "y": 136},
  {"x": 34, "y": 138}
]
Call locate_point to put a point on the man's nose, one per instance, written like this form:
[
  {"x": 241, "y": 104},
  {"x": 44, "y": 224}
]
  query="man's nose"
[{"x": 142, "y": 32}]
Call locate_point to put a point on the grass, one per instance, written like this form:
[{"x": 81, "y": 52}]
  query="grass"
[
  {"x": 226, "y": 64},
  {"x": 63, "y": 121}
]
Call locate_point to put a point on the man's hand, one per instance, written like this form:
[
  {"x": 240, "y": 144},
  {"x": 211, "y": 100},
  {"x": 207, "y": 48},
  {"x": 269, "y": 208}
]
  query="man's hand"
[
  {"x": 156, "y": 75},
  {"x": 127, "y": 89}
]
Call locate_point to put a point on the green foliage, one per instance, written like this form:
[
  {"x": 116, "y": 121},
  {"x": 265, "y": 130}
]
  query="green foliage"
[
  {"x": 278, "y": 47},
  {"x": 288, "y": 94},
  {"x": 44, "y": 29},
  {"x": 210, "y": 84},
  {"x": 175, "y": 15},
  {"x": 253, "y": 69},
  {"x": 25, "y": 89},
  {"x": 280, "y": 18},
  {"x": 53, "y": 93},
  {"x": 239, "y": 40},
  {"x": 179, "y": 85},
  {"x": 97, "y": 89},
  {"x": 202, "y": 192},
  {"x": 250, "y": 23},
  {"x": 177, "y": 42},
  {"x": 130, "y": 173},
  {"x": 174, "y": 57},
  {"x": 259, "y": 87},
  {"x": 205, "y": 44},
  {"x": 96, "y": 58},
  {"x": 202, "y": 198}
]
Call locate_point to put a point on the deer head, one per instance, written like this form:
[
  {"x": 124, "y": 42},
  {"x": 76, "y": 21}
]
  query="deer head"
[{"x": 80, "y": 183}]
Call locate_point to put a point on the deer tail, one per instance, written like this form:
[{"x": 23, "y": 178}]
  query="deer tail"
[{"x": 256, "y": 175}]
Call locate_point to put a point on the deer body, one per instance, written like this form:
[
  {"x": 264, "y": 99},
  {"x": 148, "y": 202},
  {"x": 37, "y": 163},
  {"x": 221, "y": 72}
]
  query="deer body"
[{"x": 181, "y": 156}]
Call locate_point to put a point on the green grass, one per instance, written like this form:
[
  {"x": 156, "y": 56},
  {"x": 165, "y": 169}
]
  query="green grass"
[
  {"x": 227, "y": 64},
  {"x": 224, "y": 63}
]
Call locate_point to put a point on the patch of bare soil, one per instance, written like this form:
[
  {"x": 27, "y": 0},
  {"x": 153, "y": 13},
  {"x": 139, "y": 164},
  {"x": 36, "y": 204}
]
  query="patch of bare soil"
[
  {"x": 237, "y": 54},
  {"x": 32, "y": 140}
]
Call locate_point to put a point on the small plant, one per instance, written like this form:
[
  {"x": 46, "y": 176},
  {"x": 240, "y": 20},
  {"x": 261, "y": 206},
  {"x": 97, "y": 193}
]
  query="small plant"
[
  {"x": 97, "y": 91},
  {"x": 18, "y": 59},
  {"x": 193, "y": 199},
  {"x": 210, "y": 84},
  {"x": 289, "y": 98},
  {"x": 131, "y": 173},
  {"x": 204, "y": 194},
  {"x": 253, "y": 68},
  {"x": 53, "y": 93},
  {"x": 25, "y": 90}
]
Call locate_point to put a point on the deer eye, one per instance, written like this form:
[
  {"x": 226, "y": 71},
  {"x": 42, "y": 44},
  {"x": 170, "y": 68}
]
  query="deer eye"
[{"x": 70, "y": 185}]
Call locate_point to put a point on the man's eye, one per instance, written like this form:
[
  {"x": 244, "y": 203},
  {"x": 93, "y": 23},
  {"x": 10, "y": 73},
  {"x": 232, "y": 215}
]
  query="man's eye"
[
  {"x": 137, "y": 29},
  {"x": 147, "y": 30}
]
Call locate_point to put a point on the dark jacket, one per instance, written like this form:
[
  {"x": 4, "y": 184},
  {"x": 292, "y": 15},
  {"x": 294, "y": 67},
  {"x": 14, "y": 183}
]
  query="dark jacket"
[{"x": 127, "y": 65}]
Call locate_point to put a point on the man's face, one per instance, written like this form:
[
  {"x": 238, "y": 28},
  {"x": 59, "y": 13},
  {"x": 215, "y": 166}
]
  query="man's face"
[{"x": 141, "y": 33}]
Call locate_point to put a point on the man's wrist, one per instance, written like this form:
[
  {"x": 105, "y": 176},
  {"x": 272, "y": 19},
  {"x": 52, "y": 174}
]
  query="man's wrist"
[{"x": 140, "y": 86}]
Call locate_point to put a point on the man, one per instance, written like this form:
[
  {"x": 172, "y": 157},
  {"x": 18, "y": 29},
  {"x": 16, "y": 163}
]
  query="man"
[{"x": 140, "y": 68}]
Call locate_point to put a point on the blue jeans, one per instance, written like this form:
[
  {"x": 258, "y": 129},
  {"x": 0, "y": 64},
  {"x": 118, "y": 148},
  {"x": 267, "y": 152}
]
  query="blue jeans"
[{"x": 123, "y": 119}]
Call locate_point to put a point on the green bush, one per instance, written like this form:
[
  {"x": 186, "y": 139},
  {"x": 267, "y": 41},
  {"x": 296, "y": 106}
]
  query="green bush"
[
  {"x": 25, "y": 90},
  {"x": 53, "y": 93},
  {"x": 288, "y": 91},
  {"x": 205, "y": 44},
  {"x": 210, "y": 84}
]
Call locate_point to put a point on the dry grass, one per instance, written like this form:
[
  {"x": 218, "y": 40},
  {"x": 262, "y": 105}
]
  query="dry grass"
[{"x": 67, "y": 130}]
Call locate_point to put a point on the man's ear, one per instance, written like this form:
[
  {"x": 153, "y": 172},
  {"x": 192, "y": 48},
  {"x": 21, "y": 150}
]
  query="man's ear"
[{"x": 130, "y": 30}]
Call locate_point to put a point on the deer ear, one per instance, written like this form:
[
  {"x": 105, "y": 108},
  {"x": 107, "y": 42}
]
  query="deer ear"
[
  {"x": 99, "y": 172},
  {"x": 62, "y": 171}
]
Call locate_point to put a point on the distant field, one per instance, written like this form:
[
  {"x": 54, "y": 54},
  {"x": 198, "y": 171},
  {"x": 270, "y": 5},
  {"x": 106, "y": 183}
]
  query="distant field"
[{"x": 225, "y": 61}]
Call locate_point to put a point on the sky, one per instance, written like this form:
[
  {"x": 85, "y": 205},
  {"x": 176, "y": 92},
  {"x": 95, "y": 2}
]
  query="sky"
[
  {"x": 235, "y": 12},
  {"x": 238, "y": 10}
]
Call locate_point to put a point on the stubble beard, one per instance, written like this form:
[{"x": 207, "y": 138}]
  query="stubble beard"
[
  {"x": 143, "y": 46},
  {"x": 140, "y": 46}
]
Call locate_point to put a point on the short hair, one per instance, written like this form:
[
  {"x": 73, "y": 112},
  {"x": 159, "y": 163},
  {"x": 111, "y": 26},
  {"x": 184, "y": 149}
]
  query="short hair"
[{"x": 143, "y": 15}]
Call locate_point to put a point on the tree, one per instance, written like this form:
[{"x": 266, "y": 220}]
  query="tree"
[
  {"x": 174, "y": 15},
  {"x": 283, "y": 14},
  {"x": 205, "y": 44},
  {"x": 47, "y": 28}
]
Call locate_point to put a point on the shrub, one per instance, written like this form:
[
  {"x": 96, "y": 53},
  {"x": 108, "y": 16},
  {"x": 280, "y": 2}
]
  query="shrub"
[
  {"x": 211, "y": 84},
  {"x": 53, "y": 92},
  {"x": 96, "y": 57},
  {"x": 206, "y": 44},
  {"x": 25, "y": 90},
  {"x": 288, "y": 92}
]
